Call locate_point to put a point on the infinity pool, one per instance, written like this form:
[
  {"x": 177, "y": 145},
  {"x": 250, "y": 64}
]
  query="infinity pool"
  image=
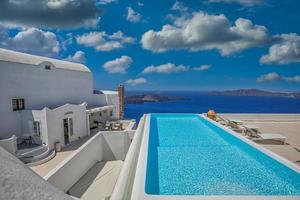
[{"x": 189, "y": 155}]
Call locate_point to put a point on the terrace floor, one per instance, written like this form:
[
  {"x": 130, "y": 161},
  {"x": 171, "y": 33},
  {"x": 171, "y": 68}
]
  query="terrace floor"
[
  {"x": 98, "y": 182},
  {"x": 45, "y": 168},
  {"x": 287, "y": 125}
]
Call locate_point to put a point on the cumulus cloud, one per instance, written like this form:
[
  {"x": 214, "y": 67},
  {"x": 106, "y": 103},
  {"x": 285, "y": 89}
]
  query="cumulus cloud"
[
  {"x": 31, "y": 40},
  {"x": 273, "y": 76},
  {"x": 202, "y": 68},
  {"x": 179, "y": 6},
  {"x": 295, "y": 79},
  {"x": 286, "y": 50},
  {"x": 79, "y": 57},
  {"x": 138, "y": 81},
  {"x": 165, "y": 69},
  {"x": 49, "y": 13},
  {"x": 119, "y": 65},
  {"x": 140, "y": 4},
  {"x": 202, "y": 31},
  {"x": 247, "y": 3},
  {"x": 104, "y": 2},
  {"x": 101, "y": 41},
  {"x": 133, "y": 16}
]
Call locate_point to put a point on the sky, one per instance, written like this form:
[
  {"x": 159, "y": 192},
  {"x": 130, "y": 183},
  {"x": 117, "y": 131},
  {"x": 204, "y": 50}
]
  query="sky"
[{"x": 164, "y": 45}]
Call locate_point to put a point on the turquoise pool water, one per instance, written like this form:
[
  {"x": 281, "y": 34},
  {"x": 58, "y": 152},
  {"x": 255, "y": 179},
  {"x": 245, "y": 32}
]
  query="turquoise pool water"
[{"x": 188, "y": 155}]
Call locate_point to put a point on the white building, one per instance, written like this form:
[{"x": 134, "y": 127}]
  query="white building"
[{"x": 51, "y": 99}]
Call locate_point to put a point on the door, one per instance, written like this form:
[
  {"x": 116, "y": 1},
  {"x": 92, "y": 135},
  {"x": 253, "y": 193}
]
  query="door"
[{"x": 68, "y": 129}]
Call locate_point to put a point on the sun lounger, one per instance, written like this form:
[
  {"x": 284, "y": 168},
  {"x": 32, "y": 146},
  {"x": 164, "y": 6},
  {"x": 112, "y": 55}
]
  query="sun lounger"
[
  {"x": 252, "y": 127},
  {"x": 236, "y": 121},
  {"x": 238, "y": 128},
  {"x": 271, "y": 136}
]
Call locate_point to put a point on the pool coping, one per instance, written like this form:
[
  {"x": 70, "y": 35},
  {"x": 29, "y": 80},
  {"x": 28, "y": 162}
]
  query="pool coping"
[{"x": 138, "y": 189}]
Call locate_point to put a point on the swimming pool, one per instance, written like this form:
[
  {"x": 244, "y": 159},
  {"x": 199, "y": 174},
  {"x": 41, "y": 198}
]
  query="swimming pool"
[{"x": 189, "y": 155}]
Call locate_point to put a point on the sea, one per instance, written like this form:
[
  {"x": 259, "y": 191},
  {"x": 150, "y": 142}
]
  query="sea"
[{"x": 200, "y": 102}]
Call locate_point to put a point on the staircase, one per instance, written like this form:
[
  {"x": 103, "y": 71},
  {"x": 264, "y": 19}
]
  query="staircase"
[{"x": 36, "y": 156}]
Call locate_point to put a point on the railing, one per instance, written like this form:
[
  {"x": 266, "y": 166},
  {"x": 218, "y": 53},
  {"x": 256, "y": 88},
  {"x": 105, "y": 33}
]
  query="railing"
[{"x": 124, "y": 183}]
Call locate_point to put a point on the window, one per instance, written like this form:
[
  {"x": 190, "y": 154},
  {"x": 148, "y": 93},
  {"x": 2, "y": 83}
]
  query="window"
[
  {"x": 18, "y": 104},
  {"x": 111, "y": 113},
  {"x": 47, "y": 67},
  {"x": 100, "y": 114},
  {"x": 37, "y": 128}
]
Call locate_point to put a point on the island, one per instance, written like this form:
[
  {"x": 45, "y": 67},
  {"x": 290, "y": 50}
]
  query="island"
[
  {"x": 255, "y": 92},
  {"x": 139, "y": 99}
]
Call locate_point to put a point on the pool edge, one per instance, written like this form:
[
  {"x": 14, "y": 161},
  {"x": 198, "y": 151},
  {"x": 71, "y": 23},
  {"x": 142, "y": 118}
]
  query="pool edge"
[{"x": 138, "y": 191}]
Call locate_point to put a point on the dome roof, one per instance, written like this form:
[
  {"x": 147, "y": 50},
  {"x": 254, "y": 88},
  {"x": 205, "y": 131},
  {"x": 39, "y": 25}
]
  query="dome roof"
[{"x": 18, "y": 57}]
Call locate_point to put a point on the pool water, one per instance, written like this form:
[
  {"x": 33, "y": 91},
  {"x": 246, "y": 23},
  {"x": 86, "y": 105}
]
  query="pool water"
[{"x": 188, "y": 155}]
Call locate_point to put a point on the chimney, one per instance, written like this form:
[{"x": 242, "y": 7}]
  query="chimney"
[{"x": 121, "y": 101}]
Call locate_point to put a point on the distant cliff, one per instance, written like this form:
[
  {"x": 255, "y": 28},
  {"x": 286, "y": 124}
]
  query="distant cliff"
[
  {"x": 138, "y": 99},
  {"x": 255, "y": 92}
]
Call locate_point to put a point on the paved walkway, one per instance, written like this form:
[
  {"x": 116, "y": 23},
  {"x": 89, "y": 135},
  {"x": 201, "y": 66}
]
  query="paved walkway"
[{"x": 287, "y": 125}]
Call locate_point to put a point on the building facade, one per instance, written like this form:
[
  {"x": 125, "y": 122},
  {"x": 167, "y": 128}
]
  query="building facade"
[{"x": 48, "y": 98}]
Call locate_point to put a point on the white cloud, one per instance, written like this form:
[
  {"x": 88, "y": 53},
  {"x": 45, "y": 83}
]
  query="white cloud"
[
  {"x": 179, "y": 6},
  {"x": 295, "y": 79},
  {"x": 202, "y": 31},
  {"x": 165, "y": 69},
  {"x": 31, "y": 40},
  {"x": 63, "y": 14},
  {"x": 79, "y": 57},
  {"x": 104, "y": 2},
  {"x": 101, "y": 41},
  {"x": 119, "y": 65},
  {"x": 133, "y": 16},
  {"x": 242, "y": 2},
  {"x": 202, "y": 68},
  {"x": 273, "y": 76},
  {"x": 286, "y": 50},
  {"x": 138, "y": 81},
  {"x": 140, "y": 3}
]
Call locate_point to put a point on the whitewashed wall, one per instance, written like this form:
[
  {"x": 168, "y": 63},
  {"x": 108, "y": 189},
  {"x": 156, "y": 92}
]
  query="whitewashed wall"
[
  {"x": 68, "y": 172},
  {"x": 103, "y": 146},
  {"x": 10, "y": 144},
  {"x": 51, "y": 123},
  {"x": 39, "y": 88},
  {"x": 55, "y": 123},
  {"x": 108, "y": 98},
  {"x": 113, "y": 99},
  {"x": 115, "y": 145}
]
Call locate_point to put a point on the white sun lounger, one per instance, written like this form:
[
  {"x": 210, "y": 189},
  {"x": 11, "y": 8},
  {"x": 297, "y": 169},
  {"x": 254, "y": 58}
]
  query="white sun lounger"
[
  {"x": 252, "y": 127},
  {"x": 272, "y": 136},
  {"x": 236, "y": 121}
]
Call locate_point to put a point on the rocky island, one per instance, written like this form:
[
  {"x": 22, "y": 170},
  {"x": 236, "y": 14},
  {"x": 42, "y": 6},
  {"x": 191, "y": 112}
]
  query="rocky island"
[
  {"x": 139, "y": 99},
  {"x": 255, "y": 92}
]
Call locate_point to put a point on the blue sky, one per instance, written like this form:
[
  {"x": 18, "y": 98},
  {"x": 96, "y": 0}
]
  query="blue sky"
[{"x": 165, "y": 45}]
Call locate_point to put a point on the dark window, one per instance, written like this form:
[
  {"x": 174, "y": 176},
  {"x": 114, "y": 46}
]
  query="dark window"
[
  {"x": 18, "y": 104},
  {"x": 48, "y": 67},
  {"x": 111, "y": 113}
]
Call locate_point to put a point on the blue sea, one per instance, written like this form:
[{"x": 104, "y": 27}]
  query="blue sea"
[{"x": 200, "y": 102}]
